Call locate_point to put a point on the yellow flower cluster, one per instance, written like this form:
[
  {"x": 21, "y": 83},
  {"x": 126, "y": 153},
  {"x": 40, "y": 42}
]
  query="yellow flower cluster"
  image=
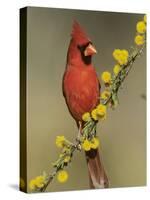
[
  {"x": 37, "y": 183},
  {"x": 60, "y": 141},
  {"x": 94, "y": 114},
  {"x": 62, "y": 176},
  {"x": 101, "y": 111},
  {"x": 106, "y": 77},
  {"x": 95, "y": 143},
  {"x": 22, "y": 183},
  {"x": 139, "y": 39},
  {"x": 86, "y": 117},
  {"x": 116, "y": 69},
  {"x": 141, "y": 30},
  {"x": 87, "y": 145},
  {"x": 98, "y": 113},
  {"x": 121, "y": 56},
  {"x": 141, "y": 27},
  {"x": 105, "y": 94}
]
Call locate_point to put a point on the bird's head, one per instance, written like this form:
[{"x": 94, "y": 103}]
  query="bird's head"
[
  {"x": 83, "y": 43},
  {"x": 81, "y": 48}
]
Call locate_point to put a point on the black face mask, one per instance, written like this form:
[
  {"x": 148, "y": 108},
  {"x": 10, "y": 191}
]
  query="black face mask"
[{"x": 86, "y": 59}]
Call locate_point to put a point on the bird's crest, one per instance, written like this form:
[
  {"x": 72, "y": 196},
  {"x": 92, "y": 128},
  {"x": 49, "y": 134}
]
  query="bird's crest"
[{"x": 78, "y": 34}]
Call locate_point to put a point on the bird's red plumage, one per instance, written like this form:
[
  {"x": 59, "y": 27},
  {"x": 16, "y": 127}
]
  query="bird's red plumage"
[
  {"x": 78, "y": 34},
  {"x": 81, "y": 89},
  {"x": 80, "y": 83}
]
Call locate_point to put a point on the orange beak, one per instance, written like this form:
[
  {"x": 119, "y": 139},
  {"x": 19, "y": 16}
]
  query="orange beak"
[{"x": 90, "y": 50}]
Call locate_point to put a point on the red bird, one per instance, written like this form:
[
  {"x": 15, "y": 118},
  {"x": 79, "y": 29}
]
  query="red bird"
[{"x": 81, "y": 89}]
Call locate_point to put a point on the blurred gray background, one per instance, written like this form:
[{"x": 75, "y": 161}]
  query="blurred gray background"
[{"x": 122, "y": 135}]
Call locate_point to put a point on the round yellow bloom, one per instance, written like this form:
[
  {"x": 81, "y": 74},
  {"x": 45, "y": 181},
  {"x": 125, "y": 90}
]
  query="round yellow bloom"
[
  {"x": 67, "y": 159},
  {"x": 94, "y": 114},
  {"x": 139, "y": 39},
  {"x": 116, "y": 53},
  {"x": 121, "y": 56},
  {"x": 101, "y": 111},
  {"x": 141, "y": 27},
  {"x": 125, "y": 53},
  {"x": 86, "y": 145},
  {"x": 116, "y": 69},
  {"x": 106, "y": 77},
  {"x": 86, "y": 117},
  {"x": 95, "y": 143},
  {"x": 145, "y": 18},
  {"x": 62, "y": 176},
  {"x": 38, "y": 182},
  {"x": 105, "y": 95},
  {"x": 60, "y": 141},
  {"x": 32, "y": 184},
  {"x": 123, "y": 60}
]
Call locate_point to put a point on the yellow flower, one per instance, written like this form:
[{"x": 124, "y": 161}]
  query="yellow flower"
[
  {"x": 60, "y": 141},
  {"x": 123, "y": 59},
  {"x": 106, "y": 77},
  {"x": 116, "y": 69},
  {"x": 139, "y": 39},
  {"x": 62, "y": 176},
  {"x": 101, "y": 111},
  {"x": 105, "y": 95},
  {"x": 22, "y": 183},
  {"x": 121, "y": 56},
  {"x": 86, "y": 145},
  {"x": 145, "y": 18},
  {"x": 94, "y": 114},
  {"x": 32, "y": 184},
  {"x": 141, "y": 27},
  {"x": 95, "y": 143},
  {"x": 86, "y": 117},
  {"x": 116, "y": 53},
  {"x": 38, "y": 182},
  {"x": 125, "y": 53},
  {"x": 67, "y": 159}
]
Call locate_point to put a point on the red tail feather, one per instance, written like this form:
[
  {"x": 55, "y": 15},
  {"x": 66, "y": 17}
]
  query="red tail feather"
[{"x": 97, "y": 174}]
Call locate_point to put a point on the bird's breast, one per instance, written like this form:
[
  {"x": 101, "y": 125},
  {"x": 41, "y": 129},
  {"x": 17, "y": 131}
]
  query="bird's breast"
[{"x": 81, "y": 89}]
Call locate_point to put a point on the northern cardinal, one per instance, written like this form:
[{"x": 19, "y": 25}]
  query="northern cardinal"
[{"x": 81, "y": 89}]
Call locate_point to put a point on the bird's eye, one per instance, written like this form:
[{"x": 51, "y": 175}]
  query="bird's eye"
[{"x": 81, "y": 48}]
